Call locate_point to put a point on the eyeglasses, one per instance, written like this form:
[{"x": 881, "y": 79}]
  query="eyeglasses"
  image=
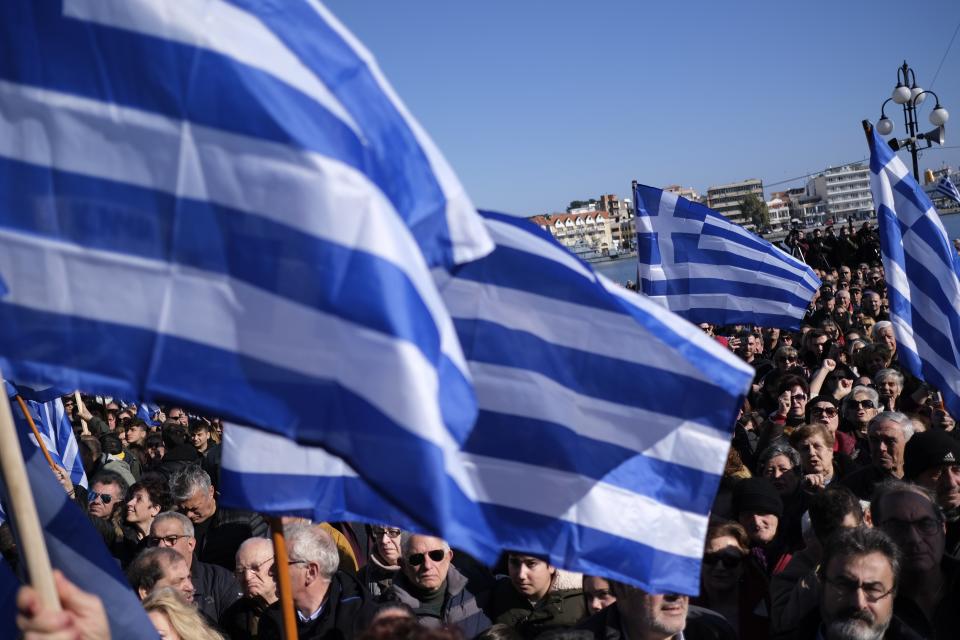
[
  {"x": 827, "y": 411},
  {"x": 873, "y": 591},
  {"x": 787, "y": 359},
  {"x": 167, "y": 541},
  {"x": 256, "y": 568},
  {"x": 105, "y": 498},
  {"x": 417, "y": 559},
  {"x": 799, "y": 397},
  {"x": 729, "y": 561},
  {"x": 863, "y": 404},
  {"x": 895, "y": 527},
  {"x": 392, "y": 532}
]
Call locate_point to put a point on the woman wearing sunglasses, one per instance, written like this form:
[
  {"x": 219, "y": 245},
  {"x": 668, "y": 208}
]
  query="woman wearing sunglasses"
[
  {"x": 534, "y": 599},
  {"x": 731, "y": 582}
]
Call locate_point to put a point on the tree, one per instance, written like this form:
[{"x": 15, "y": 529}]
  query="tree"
[{"x": 755, "y": 210}]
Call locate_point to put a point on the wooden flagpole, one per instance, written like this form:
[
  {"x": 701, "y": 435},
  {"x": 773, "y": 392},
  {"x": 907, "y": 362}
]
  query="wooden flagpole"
[
  {"x": 24, "y": 511},
  {"x": 281, "y": 562},
  {"x": 36, "y": 432}
]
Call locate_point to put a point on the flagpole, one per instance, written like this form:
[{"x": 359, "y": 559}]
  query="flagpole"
[
  {"x": 282, "y": 563},
  {"x": 36, "y": 432},
  {"x": 24, "y": 511}
]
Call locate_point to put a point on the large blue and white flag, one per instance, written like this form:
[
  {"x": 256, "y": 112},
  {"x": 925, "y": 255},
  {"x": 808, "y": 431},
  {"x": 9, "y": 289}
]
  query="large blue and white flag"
[
  {"x": 922, "y": 285},
  {"x": 76, "y": 549},
  {"x": 946, "y": 187},
  {"x": 225, "y": 205},
  {"x": 588, "y": 448},
  {"x": 703, "y": 267}
]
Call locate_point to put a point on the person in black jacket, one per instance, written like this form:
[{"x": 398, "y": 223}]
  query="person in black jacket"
[
  {"x": 219, "y": 532},
  {"x": 215, "y": 588},
  {"x": 330, "y": 604}
]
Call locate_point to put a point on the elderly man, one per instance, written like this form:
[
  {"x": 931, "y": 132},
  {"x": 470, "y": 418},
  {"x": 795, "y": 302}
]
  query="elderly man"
[
  {"x": 436, "y": 591},
  {"x": 882, "y": 333},
  {"x": 639, "y": 615},
  {"x": 219, "y": 532},
  {"x": 932, "y": 460},
  {"x": 330, "y": 604},
  {"x": 215, "y": 588},
  {"x": 157, "y": 568},
  {"x": 860, "y": 578},
  {"x": 887, "y": 434},
  {"x": 255, "y": 572},
  {"x": 930, "y": 590}
]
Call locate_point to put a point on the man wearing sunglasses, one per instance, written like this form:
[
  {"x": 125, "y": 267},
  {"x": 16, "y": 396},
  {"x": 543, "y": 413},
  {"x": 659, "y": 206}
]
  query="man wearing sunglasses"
[
  {"x": 106, "y": 495},
  {"x": 436, "y": 591}
]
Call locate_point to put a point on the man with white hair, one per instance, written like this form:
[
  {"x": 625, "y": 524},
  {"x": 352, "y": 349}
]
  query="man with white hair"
[
  {"x": 330, "y": 604},
  {"x": 436, "y": 591},
  {"x": 887, "y": 435}
]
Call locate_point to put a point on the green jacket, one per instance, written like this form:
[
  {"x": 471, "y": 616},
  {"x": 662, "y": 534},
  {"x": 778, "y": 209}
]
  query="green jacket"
[{"x": 557, "y": 610}]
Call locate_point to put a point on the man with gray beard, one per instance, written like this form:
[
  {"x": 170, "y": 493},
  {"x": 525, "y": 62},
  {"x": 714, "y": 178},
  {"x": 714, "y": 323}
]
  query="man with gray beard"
[{"x": 859, "y": 577}]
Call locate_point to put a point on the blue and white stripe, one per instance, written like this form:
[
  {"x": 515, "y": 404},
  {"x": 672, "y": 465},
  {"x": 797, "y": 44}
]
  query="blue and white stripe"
[
  {"x": 922, "y": 286},
  {"x": 589, "y": 447},
  {"x": 705, "y": 268},
  {"x": 946, "y": 187},
  {"x": 225, "y": 205}
]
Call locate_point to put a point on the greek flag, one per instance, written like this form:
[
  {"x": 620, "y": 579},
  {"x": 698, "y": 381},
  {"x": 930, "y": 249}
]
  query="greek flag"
[
  {"x": 56, "y": 432},
  {"x": 922, "y": 286},
  {"x": 76, "y": 549},
  {"x": 946, "y": 187},
  {"x": 225, "y": 205},
  {"x": 586, "y": 433},
  {"x": 705, "y": 268}
]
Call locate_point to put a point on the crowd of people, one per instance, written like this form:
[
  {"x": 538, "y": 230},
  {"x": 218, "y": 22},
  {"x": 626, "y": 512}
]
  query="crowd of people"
[{"x": 837, "y": 516}]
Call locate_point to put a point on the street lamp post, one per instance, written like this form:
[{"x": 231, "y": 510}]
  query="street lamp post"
[{"x": 908, "y": 94}]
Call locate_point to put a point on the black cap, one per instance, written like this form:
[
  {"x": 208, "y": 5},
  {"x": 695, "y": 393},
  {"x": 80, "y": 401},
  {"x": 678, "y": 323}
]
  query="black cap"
[
  {"x": 824, "y": 398},
  {"x": 756, "y": 495},
  {"x": 927, "y": 450}
]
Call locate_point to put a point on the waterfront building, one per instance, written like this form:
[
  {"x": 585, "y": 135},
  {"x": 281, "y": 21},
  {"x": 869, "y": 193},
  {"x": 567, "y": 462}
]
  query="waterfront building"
[
  {"x": 845, "y": 191},
  {"x": 726, "y": 199}
]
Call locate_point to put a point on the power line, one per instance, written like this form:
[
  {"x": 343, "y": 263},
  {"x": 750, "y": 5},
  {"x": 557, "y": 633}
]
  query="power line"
[{"x": 939, "y": 66}]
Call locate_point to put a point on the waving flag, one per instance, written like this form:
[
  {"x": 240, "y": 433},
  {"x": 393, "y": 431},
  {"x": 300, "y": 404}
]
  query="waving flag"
[
  {"x": 705, "y": 268},
  {"x": 225, "y": 205},
  {"x": 946, "y": 187},
  {"x": 76, "y": 548},
  {"x": 586, "y": 433},
  {"x": 56, "y": 432},
  {"x": 922, "y": 286}
]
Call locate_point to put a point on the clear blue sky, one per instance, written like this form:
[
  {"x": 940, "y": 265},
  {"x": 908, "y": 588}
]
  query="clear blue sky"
[{"x": 538, "y": 103}]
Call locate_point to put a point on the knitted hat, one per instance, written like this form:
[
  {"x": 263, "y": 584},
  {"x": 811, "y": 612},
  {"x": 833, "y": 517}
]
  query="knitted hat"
[
  {"x": 927, "y": 450},
  {"x": 756, "y": 495}
]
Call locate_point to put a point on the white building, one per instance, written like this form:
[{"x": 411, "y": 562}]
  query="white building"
[
  {"x": 845, "y": 191},
  {"x": 779, "y": 211}
]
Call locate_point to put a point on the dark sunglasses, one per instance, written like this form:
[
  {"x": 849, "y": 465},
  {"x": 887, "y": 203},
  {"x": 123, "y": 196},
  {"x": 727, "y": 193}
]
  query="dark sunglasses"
[
  {"x": 105, "y": 498},
  {"x": 729, "y": 561},
  {"x": 863, "y": 404},
  {"x": 827, "y": 411},
  {"x": 417, "y": 559}
]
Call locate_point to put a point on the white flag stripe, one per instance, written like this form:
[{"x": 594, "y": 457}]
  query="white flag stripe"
[
  {"x": 317, "y": 344},
  {"x": 278, "y": 455},
  {"x": 720, "y": 301},
  {"x": 218, "y": 27},
  {"x": 233, "y": 170},
  {"x": 600, "y": 506},
  {"x": 507, "y": 307},
  {"x": 507, "y": 390}
]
